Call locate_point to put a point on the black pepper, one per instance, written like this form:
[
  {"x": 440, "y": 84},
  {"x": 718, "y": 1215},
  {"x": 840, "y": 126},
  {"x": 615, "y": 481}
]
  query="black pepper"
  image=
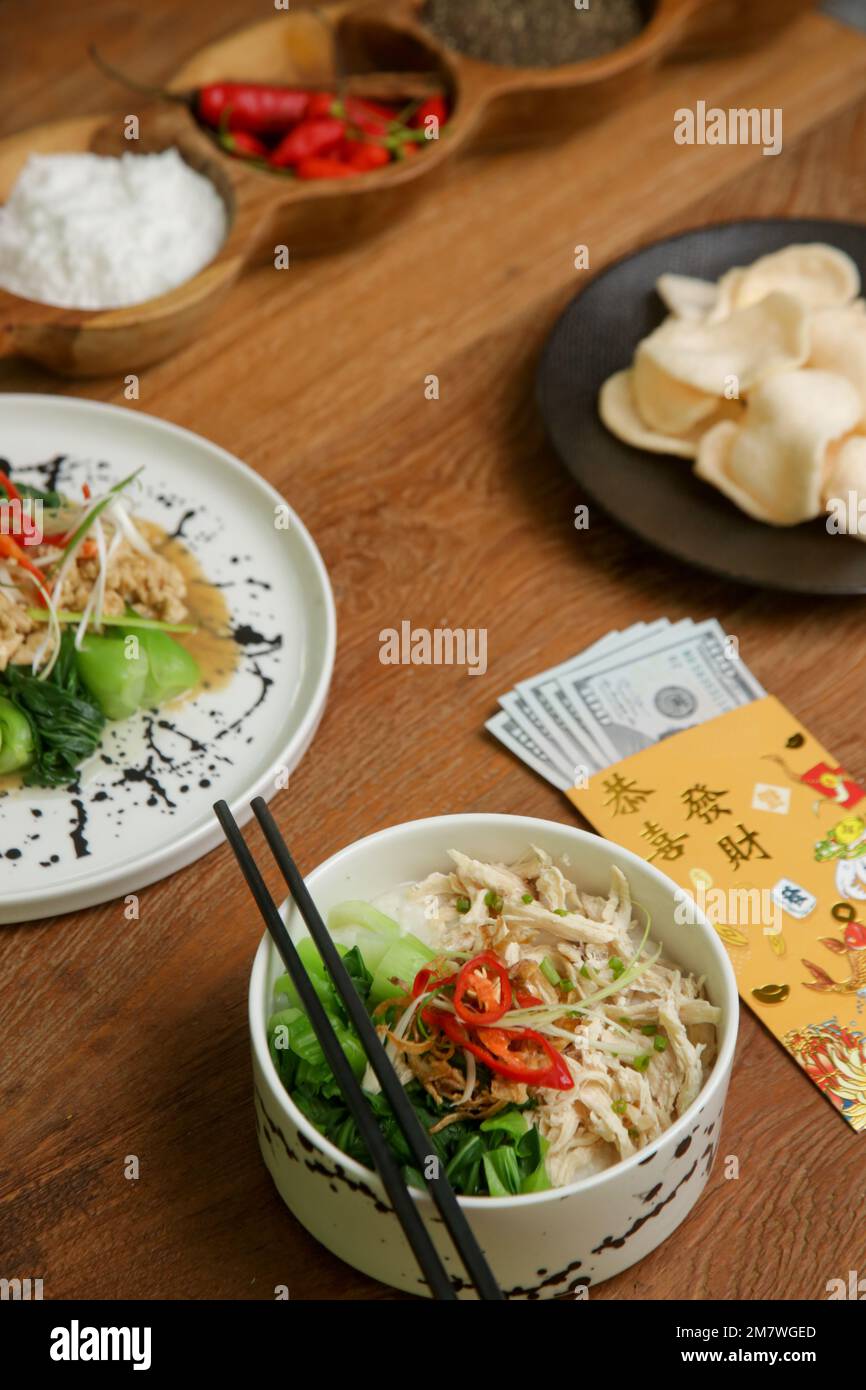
[{"x": 534, "y": 33}]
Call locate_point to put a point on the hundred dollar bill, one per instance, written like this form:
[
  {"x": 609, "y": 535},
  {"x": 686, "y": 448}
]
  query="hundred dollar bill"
[
  {"x": 541, "y": 708},
  {"x": 550, "y": 693},
  {"x": 538, "y": 728},
  {"x": 659, "y": 686},
  {"x": 515, "y": 738}
]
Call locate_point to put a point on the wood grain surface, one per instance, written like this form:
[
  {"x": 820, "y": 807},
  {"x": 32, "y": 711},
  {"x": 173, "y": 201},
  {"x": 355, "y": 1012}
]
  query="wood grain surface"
[{"x": 130, "y": 1038}]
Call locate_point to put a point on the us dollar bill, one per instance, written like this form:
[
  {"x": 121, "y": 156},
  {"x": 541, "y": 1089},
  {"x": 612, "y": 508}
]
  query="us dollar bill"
[
  {"x": 631, "y": 699},
  {"x": 504, "y": 727}
]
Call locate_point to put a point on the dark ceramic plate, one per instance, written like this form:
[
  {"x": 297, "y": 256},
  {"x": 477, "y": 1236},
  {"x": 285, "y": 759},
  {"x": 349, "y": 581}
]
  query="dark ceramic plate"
[{"x": 656, "y": 496}]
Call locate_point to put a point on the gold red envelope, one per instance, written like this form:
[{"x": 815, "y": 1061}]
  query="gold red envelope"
[{"x": 767, "y": 833}]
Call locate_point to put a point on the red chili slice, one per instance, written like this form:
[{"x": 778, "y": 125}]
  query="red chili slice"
[
  {"x": 10, "y": 549},
  {"x": 422, "y": 984},
  {"x": 506, "y": 1051},
  {"x": 479, "y": 978},
  {"x": 11, "y": 490},
  {"x": 28, "y": 533},
  {"x": 526, "y": 1000}
]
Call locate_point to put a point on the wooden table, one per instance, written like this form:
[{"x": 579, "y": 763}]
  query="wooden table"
[{"x": 122, "y": 1038}]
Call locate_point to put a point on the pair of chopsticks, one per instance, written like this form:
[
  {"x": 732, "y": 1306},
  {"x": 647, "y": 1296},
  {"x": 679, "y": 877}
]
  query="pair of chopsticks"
[{"x": 439, "y": 1187}]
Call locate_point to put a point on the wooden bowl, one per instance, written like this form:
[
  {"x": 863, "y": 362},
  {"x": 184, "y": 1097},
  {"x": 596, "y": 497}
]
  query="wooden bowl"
[
  {"x": 499, "y": 105},
  {"x": 489, "y": 105},
  {"x": 85, "y": 342},
  {"x": 264, "y": 210}
]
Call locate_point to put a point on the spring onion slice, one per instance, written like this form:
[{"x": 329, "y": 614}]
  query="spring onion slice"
[
  {"x": 98, "y": 507},
  {"x": 371, "y": 1081},
  {"x": 96, "y": 597},
  {"x": 549, "y": 1012},
  {"x": 52, "y": 639},
  {"x": 126, "y": 525},
  {"x": 590, "y": 1044},
  {"x": 88, "y": 520},
  {"x": 113, "y": 620},
  {"x": 471, "y": 1073}
]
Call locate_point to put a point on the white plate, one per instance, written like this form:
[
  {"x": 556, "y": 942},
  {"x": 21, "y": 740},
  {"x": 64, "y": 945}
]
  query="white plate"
[{"x": 143, "y": 808}]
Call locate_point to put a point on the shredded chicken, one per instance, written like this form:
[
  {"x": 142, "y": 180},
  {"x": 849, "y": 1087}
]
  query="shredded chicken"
[{"x": 638, "y": 1055}]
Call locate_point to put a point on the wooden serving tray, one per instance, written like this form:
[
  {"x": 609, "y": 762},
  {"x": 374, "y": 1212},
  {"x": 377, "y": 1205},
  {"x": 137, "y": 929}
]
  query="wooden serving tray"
[{"x": 491, "y": 106}]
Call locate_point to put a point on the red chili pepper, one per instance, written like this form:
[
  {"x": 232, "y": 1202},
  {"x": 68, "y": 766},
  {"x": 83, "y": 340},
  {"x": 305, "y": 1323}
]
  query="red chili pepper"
[
  {"x": 363, "y": 157},
  {"x": 29, "y": 533},
  {"x": 372, "y": 117},
  {"x": 507, "y": 1051},
  {"x": 308, "y": 140},
  {"x": 322, "y": 104},
  {"x": 423, "y": 978},
  {"x": 525, "y": 1000},
  {"x": 244, "y": 145},
  {"x": 433, "y": 106},
  {"x": 501, "y": 1044},
  {"x": 9, "y": 487},
  {"x": 251, "y": 106},
  {"x": 13, "y": 551},
  {"x": 324, "y": 167},
  {"x": 479, "y": 977}
]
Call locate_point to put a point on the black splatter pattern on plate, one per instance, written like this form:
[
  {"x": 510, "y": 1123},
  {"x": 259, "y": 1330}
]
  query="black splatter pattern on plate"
[{"x": 155, "y": 760}]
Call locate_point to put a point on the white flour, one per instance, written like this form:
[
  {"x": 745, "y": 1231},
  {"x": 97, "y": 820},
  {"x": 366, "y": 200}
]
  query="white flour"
[{"x": 89, "y": 232}]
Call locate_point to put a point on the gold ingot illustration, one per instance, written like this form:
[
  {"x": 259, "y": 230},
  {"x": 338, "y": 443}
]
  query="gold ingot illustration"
[{"x": 772, "y": 994}]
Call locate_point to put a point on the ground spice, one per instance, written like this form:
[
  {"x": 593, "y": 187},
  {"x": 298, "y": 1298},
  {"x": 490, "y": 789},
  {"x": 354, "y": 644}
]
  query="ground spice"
[{"x": 534, "y": 33}]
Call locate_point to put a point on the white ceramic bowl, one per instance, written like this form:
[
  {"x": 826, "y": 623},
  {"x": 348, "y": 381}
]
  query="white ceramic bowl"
[{"x": 544, "y": 1244}]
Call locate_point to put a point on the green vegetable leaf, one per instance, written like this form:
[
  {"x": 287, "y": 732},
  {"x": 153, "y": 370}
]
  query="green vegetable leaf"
[
  {"x": 66, "y": 723},
  {"x": 502, "y": 1171},
  {"x": 511, "y": 1121},
  {"x": 500, "y": 1156},
  {"x": 358, "y": 972},
  {"x": 38, "y": 494},
  {"x": 16, "y": 737}
]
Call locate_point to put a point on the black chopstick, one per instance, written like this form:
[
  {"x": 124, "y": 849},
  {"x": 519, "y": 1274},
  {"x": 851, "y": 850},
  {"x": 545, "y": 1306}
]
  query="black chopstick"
[
  {"x": 407, "y": 1213},
  {"x": 419, "y": 1143}
]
